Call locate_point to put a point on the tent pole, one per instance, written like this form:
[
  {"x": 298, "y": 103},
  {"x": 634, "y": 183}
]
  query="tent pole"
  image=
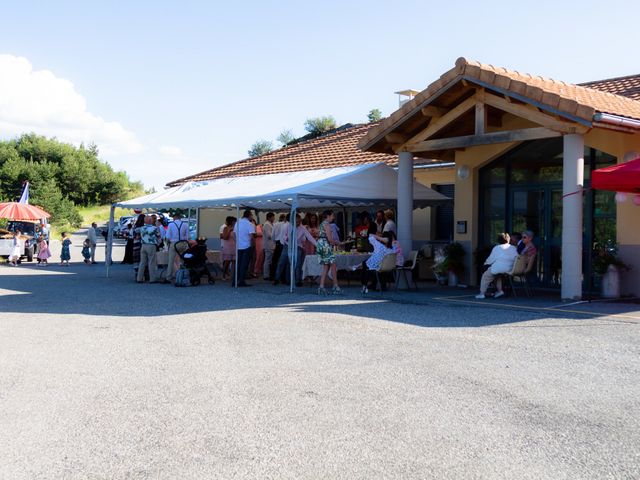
[
  {"x": 235, "y": 231},
  {"x": 293, "y": 248},
  {"x": 109, "y": 246}
]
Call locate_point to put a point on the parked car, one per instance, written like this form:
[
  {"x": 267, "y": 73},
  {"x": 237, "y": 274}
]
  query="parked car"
[{"x": 28, "y": 239}]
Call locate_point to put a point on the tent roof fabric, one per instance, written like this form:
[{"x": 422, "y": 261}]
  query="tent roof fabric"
[
  {"x": 624, "y": 177},
  {"x": 360, "y": 185}
]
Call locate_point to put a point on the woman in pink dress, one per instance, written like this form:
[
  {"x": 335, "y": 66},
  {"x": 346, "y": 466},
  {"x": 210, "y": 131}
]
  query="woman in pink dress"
[
  {"x": 314, "y": 230},
  {"x": 229, "y": 248},
  {"x": 259, "y": 257}
]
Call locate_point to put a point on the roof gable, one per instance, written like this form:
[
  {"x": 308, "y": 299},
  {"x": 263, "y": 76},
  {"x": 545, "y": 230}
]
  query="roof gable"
[{"x": 571, "y": 102}]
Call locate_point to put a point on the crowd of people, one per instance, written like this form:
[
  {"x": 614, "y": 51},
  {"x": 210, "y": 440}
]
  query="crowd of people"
[
  {"x": 263, "y": 249},
  {"x": 502, "y": 259}
]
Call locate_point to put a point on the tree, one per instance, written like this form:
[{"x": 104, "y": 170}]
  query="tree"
[
  {"x": 61, "y": 176},
  {"x": 260, "y": 148},
  {"x": 286, "y": 137},
  {"x": 374, "y": 115},
  {"x": 320, "y": 125}
]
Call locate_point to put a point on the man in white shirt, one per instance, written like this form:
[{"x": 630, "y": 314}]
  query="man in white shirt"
[
  {"x": 302, "y": 234},
  {"x": 92, "y": 236},
  {"x": 501, "y": 260},
  {"x": 245, "y": 233},
  {"x": 277, "y": 236},
  {"x": 269, "y": 244},
  {"x": 176, "y": 231}
]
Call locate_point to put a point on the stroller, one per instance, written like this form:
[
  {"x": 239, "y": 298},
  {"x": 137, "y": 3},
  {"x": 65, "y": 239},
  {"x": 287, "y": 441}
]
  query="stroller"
[{"x": 194, "y": 258}]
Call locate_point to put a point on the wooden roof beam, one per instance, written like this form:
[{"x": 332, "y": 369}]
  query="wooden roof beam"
[
  {"x": 437, "y": 125},
  {"x": 534, "y": 116},
  {"x": 433, "y": 111},
  {"x": 466, "y": 141}
]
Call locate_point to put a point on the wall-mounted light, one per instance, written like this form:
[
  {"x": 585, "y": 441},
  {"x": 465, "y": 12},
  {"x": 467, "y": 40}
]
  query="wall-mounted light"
[{"x": 463, "y": 172}]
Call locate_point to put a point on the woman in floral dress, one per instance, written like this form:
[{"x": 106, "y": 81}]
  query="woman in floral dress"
[{"x": 326, "y": 257}]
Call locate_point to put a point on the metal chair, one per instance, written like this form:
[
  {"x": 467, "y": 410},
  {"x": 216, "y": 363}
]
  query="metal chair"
[{"x": 412, "y": 263}]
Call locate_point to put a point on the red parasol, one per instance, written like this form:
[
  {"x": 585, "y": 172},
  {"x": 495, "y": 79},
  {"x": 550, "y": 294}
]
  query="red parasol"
[
  {"x": 624, "y": 177},
  {"x": 21, "y": 211}
]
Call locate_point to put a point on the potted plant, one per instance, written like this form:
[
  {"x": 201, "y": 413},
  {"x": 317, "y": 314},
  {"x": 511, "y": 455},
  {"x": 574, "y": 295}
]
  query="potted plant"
[
  {"x": 453, "y": 262},
  {"x": 608, "y": 265}
]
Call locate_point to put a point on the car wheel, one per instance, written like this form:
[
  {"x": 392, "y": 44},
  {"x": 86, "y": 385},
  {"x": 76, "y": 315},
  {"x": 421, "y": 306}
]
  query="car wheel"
[{"x": 30, "y": 255}]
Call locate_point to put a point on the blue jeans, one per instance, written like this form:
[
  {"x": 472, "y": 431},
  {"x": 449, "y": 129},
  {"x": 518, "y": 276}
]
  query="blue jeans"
[
  {"x": 244, "y": 257},
  {"x": 283, "y": 263}
]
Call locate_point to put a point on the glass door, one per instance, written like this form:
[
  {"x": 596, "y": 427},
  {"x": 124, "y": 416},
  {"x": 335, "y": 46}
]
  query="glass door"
[{"x": 528, "y": 213}]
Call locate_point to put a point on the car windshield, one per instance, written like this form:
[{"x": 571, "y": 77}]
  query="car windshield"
[{"x": 27, "y": 228}]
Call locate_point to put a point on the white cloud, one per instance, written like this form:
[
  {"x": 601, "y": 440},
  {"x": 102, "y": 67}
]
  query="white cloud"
[
  {"x": 170, "y": 151},
  {"x": 38, "y": 101}
]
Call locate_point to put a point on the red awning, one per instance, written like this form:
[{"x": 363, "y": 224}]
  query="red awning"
[
  {"x": 21, "y": 211},
  {"x": 624, "y": 177}
]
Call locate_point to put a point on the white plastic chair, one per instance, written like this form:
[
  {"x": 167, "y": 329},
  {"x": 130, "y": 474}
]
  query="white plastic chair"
[{"x": 413, "y": 262}]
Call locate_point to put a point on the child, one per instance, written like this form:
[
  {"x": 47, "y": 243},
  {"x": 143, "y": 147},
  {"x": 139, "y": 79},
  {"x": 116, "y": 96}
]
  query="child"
[
  {"x": 86, "y": 251},
  {"x": 15, "y": 250},
  {"x": 43, "y": 251},
  {"x": 65, "y": 254}
]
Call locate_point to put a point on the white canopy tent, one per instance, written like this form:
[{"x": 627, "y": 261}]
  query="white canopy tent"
[{"x": 361, "y": 185}]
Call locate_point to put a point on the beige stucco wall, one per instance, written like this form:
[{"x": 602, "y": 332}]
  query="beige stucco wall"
[{"x": 424, "y": 219}]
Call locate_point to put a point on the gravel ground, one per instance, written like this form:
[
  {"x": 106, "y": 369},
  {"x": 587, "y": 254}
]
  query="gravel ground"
[{"x": 105, "y": 379}]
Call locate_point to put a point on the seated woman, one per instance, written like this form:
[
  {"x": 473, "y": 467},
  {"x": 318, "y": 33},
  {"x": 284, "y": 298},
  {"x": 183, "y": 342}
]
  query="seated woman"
[
  {"x": 501, "y": 260},
  {"x": 380, "y": 250}
]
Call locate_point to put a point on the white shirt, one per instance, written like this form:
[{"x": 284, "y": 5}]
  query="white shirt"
[
  {"x": 276, "y": 230},
  {"x": 245, "y": 231},
  {"x": 178, "y": 230},
  {"x": 282, "y": 232},
  {"x": 502, "y": 258},
  {"x": 91, "y": 235},
  {"x": 222, "y": 240},
  {"x": 390, "y": 226},
  {"x": 267, "y": 234},
  {"x": 302, "y": 234}
]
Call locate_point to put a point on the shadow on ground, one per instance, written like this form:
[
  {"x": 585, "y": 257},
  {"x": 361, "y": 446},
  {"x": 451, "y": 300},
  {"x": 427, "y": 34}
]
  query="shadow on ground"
[{"x": 85, "y": 290}]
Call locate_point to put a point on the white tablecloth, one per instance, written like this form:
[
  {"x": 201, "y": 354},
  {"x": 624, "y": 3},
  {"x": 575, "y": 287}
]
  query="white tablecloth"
[{"x": 311, "y": 267}]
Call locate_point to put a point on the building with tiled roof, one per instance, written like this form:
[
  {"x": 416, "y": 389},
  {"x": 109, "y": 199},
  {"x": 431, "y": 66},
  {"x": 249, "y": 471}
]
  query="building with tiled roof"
[
  {"x": 524, "y": 147},
  {"x": 628, "y": 86},
  {"x": 337, "y": 148}
]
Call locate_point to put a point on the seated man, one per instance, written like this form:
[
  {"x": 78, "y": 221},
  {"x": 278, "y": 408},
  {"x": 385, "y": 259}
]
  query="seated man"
[{"x": 501, "y": 260}]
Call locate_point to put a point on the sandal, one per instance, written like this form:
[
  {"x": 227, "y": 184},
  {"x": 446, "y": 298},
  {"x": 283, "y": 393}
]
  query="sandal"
[
  {"x": 322, "y": 291},
  {"x": 337, "y": 291}
]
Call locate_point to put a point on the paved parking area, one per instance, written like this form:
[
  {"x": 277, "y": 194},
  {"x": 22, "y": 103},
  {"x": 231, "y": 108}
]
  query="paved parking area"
[{"x": 104, "y": 378}]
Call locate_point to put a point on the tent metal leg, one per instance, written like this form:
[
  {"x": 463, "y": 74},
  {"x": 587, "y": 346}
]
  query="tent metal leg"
[
  {"x": 235, "y": 279},
  {"x": 109, "y": 249}
]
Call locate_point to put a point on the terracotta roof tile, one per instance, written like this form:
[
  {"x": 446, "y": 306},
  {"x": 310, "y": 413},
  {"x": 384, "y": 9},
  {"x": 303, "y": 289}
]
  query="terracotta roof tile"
[
  {"x": 628, "y": 86},
  {"x": 336, "y": 149},
  {"x": 577, "y": 101}
]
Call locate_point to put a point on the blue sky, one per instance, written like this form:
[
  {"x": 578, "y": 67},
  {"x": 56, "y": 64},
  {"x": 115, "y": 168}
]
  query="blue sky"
[{"x": 171, "y": 88}]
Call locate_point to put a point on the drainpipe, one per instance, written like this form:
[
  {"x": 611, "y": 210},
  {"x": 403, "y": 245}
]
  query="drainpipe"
[{"x": 616, "y": 120}]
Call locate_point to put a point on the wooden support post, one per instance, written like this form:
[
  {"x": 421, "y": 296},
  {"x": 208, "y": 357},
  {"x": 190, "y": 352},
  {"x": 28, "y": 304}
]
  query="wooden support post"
[{"x": 481, "y": 118}]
